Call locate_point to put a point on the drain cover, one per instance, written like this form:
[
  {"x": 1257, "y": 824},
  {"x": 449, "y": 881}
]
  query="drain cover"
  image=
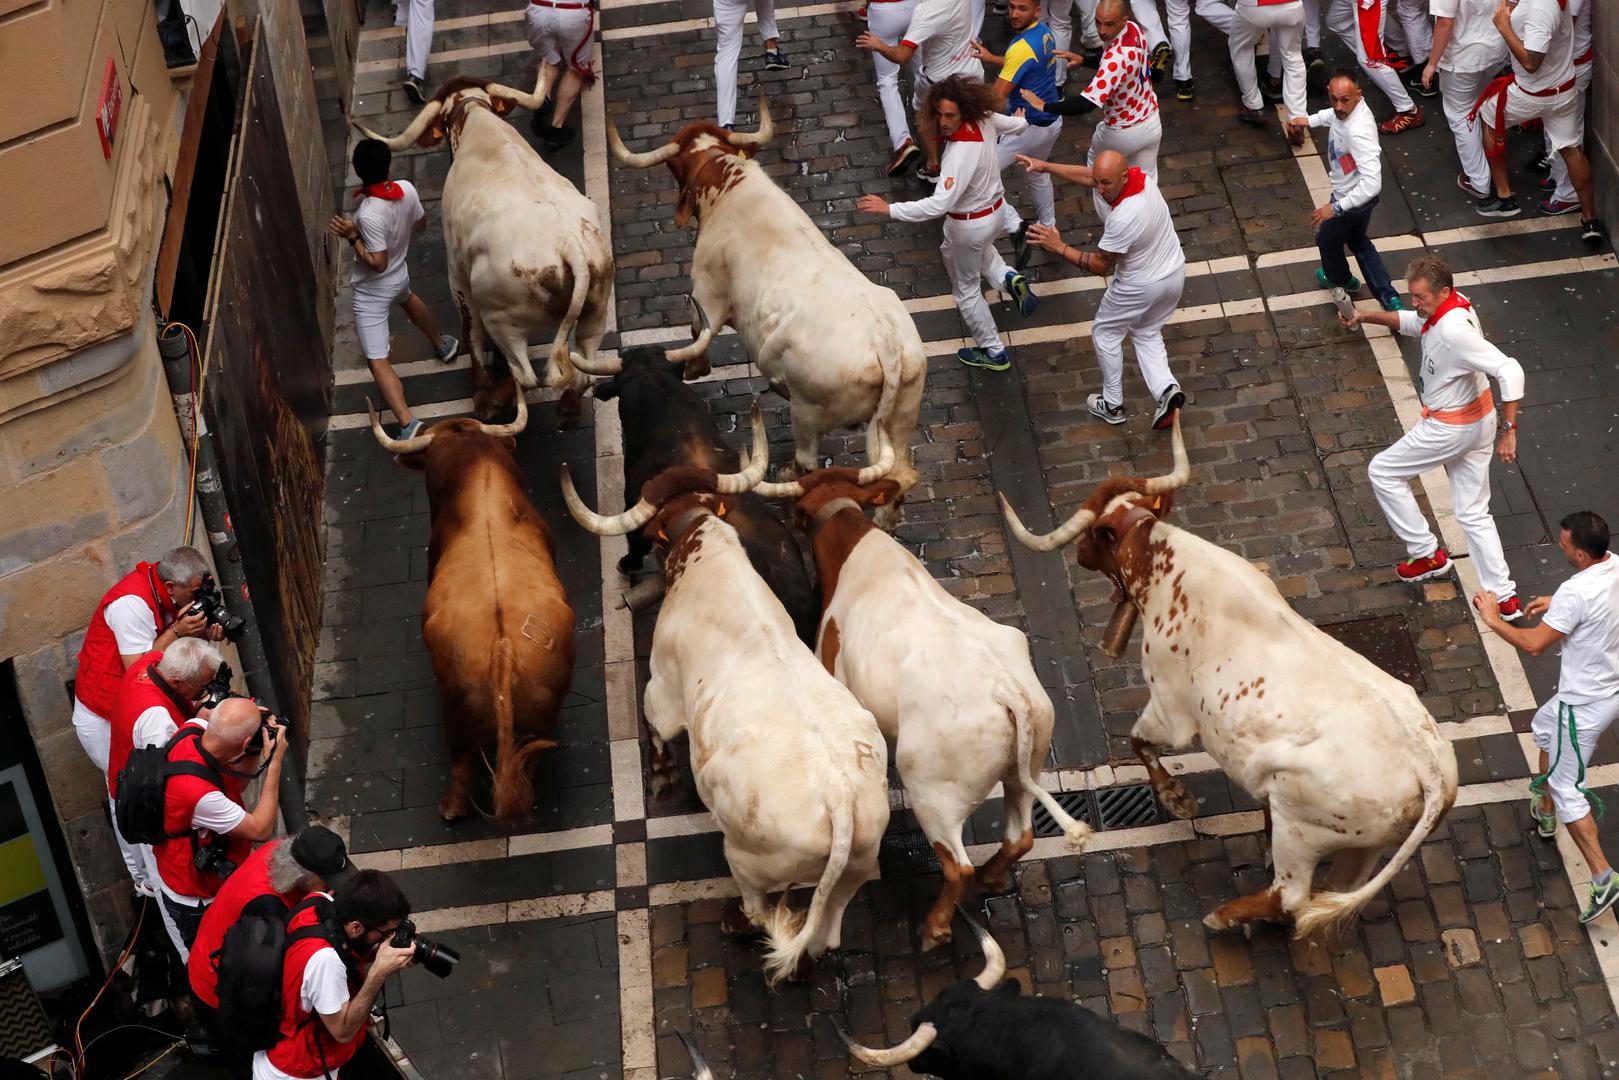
[
  {"x": 1077, "y": 803},
  {"x": 1386, "y": 642},
  {"x": 906, "y": 851},
  {"x": 1127, "y": 806}
]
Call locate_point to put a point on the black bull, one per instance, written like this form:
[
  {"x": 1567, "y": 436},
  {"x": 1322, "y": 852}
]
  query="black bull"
[{"x": 665, "y": 423}]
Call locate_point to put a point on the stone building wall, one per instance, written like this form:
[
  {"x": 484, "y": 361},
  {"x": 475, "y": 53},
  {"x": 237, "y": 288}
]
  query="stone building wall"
[{"x": 1604, "y": 143}]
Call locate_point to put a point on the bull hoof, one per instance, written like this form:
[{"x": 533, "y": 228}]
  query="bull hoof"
[
  {"x": 733, "y": 920},
  {"x": 934, "y": 936},
  {"x": 662, "y": 784},
  {"x": 630, "y": 563},
  {"x": 696, "y": 369},
  {"x": 995, "y": 883},
  {"x": 1177, "y": 800},
  {"x": 454, "y": 806},
  {"x": 568, "y": 409},
  {"x": 1215, "y": 921},
  {"x": 805, "y": 971}
]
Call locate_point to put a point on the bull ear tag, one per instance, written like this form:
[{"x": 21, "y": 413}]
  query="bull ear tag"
[
  {"x": 663, "y": 536},
  {"x": 720, "y": 509}
]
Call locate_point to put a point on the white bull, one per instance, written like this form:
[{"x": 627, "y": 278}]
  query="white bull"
[
  {"x": 792, "y": 768},
  {"x": 841, "y": 348},
  {"x": 953, "y": 691},
  {"x": 523, "y": 246},
  {"x": 1347, "y": 758}
]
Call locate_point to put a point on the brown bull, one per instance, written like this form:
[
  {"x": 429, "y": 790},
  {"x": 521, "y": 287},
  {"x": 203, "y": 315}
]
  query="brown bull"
[{"x": 496, "y": 619}]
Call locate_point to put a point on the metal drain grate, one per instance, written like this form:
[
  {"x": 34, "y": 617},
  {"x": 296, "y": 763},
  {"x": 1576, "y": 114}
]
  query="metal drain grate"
[
  {"x": 1127, "y": 806},
  {"x": 1077, "y": 803},
  {"x": 906, "y": 851}
]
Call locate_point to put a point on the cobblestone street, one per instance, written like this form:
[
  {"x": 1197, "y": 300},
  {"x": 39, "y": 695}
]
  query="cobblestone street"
[{"x": 591, "y": 934}]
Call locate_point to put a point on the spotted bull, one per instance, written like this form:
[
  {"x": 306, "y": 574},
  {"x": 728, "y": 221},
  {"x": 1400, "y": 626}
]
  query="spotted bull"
[
  {"x": 792, "y": 768},
  {"x": 840, "y": 347},
  {"x": 1346, "y": 756},
  {"x": 523, "y": 246},
  {"x": 953, "y": 691},
  {"x": 496, "y": 619}
]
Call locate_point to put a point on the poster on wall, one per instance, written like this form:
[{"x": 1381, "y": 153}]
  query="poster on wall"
[{"x": 34, "y": 918}]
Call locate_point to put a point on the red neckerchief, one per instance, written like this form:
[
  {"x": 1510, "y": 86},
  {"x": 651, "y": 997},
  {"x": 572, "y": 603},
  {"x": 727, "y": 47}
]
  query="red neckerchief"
[
  {"x": 1134, "y": 182},
  {"x": 1452, "y": 302},
  {"x": 160, "y": 591},
  {"x": 967, "y": 132},
  {"x": 385, "y": 190}
]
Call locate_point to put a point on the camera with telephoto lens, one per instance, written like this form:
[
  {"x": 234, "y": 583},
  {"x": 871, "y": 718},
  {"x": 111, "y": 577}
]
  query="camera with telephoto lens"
[
  {"x": 208, "y": 603},
  {"x": 211, "y": 859},
  {"x": 437, "y": 958},
  {"x": 218, "y": 688}
]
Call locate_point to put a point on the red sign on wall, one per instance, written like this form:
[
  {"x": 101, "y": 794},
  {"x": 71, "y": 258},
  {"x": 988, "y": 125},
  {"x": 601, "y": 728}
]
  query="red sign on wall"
[{"x": 108, "y": 106}]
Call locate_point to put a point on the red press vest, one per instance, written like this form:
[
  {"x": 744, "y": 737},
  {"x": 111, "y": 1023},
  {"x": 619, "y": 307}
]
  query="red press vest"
[
  {"x": 101, "y": 667},
  {"x": 251, "y": 881},
  {"x": 180, "y": 797},
  {"x": 304, "y": 1038},
  {"x": 136, "y": 694}
]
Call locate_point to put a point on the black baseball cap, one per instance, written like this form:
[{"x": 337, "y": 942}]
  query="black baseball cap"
[{"x": 321, "y": 851}]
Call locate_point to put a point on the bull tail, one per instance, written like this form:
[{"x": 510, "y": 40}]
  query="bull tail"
[
  {"x": 891, "y": 359},
  {"x": 789, "y": 935},
  {"x": 513, "y": 777},
  {"x": 562, "y": 374},
  {"x": 1327, "y": 914},
  {"x": 1016, "y": 702}
]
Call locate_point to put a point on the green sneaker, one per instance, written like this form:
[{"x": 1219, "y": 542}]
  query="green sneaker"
[
  {"x": 1393, "y": 303},
  {"x": 1018, "y": 286},
  {"x": 1321, "y": 276},
  {"x": 1602, "y": 898},
  {"x": 983, "y": 358},
  {"x": 1545, "y": 823}
]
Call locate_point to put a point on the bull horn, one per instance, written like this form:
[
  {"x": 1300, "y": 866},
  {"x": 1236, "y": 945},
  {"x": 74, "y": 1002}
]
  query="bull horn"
[
  {"x": 994, "y": 959},
  {"x": 885, "y": 461},
  {"x": 752, "y": 472},
  {"x": 521, "y": 98},
  {"x": 639, "y": 161},
  {"x": 397, "y": 446},
  {"x": 598, "y": 368},
  {"x": 500, "y": 431},
  {"x": 700, "y": 343},
  {"x": 783, "y": 489},
  {"x": 408, "y": 137},
  {"x": 700, "y": 1069},
  {"x": 1179, "y": 475},
  {"x": 1050, "y": 541},
  {"x": 920, "y": 1040},
  {"x": 766, "y": 128},
  {"x": 615, "y": 525}
]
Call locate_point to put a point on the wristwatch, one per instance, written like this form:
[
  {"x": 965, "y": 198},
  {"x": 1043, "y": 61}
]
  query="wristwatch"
[{"x": 1508, "y": 425}]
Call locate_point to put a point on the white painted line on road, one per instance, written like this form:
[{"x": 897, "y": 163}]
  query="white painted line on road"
[
  {"x": 1493, "y": 275},
  {"x": 803, "y": 11},
  {"x": 1407, "y": 242},
  {"x": 635, "y": 994}
]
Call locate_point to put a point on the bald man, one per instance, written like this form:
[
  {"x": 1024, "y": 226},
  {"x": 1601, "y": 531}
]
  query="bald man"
[{"x": 1140, "y": 249}]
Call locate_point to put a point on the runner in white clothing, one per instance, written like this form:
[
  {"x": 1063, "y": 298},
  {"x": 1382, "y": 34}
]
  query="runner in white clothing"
[
  {"x": 1360, "y": 24},
  {"x": 1564, "y": 198},
  {"x": 560, "y": 32},
  {"x": 1457, "y": 430},
  {"x": 1283, "y": 20},
  {"x": 729, "y": 16},
  {"x": 941, "y": 34},
  {"x": 416, "y": 16},
  {"x": 887, "y": 21},
  {"x": 1140, "y": 249},
  {"x": 1467, "y": 52},
  {"x": 969, "y": 198},
  {"x": 1583, "y": 614}
]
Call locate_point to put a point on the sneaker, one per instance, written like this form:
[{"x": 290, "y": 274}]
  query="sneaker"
[
  {"x": 774, "y": 60},
  {"x": 1590, "y": 230},
  {"x": 1396, "y": 61},
  {"x": 410, "y": 430},
  {"x": 1270, "y": 89},
  {"x": 1185, "y": 90},
  {"x": 1414, "y": 570},
  {"x": 907, "y": 152},
  {"x": 1392, "y": 302},
  {"x": 1254, "y": 118},
  {"x": 1113, "y": 414},
  {"x": 1160, "y": 60},
  {"x": 999, "y": 360},
  {"x": 1404, "y": 121},
  {"x": 1315, "y": 69},
  {"x": 1545, "y": 823},
  {"x": 1020, "y": 245},
  {"x": 1413, "y": 81},
  {"x": 415, "y": 90},
  {"x": 927, "y": 174},
  {"x": 1601, "y": 898},
  {"x": 555, "y": 138},
  {"x": 1554, "y": 206},
  {"x": 1546, "y": 184},
  {"x": 1321, "y": 279},
  {"x": 1022, "y": 295},
  {"x": 1539, "y": 162},
  {"x": 1474, "y": 193},
  {"x": 1497, "y": 207},
  {"x": 448, "y": 346},
  {"x": 1511, "y": 610},
  {"x": 1171, "y": 403}
]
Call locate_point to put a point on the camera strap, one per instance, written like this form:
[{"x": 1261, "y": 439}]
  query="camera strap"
[{"x": 185, "y": 707}]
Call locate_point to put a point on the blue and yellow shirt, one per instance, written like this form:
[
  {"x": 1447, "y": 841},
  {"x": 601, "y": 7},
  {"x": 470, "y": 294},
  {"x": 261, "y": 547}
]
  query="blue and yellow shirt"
[{"x": 1031, "y": 64}]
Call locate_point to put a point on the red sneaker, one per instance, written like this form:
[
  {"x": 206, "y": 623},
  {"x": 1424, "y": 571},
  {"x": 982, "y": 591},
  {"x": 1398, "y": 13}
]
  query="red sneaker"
[
  {"x": 1510, "y": 609},
  {"x": 1435, "y": 565},
  {"x": 1403, "y": 121}
]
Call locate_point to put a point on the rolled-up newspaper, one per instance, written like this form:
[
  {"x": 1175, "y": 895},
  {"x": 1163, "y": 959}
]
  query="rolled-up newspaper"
[{"x": 1346, "y": 306}]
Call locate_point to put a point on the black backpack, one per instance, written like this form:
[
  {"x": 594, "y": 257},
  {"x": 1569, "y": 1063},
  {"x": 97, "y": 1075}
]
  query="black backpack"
[
  {"x": 139, "y": 804},
  {"x": 249, "y": 962}
]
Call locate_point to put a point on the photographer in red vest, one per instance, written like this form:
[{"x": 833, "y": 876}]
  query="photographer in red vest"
[
  {"x": 159, "y": 692},
  {"x": 140, "y": 614},
  {"x": 211, "y": 831},
  {"x": 338, "y": 977}
]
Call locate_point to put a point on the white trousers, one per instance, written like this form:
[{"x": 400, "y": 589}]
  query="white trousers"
[
  {"x": 416, "y": 16},
  {"x": 1465, "y": 451},
  {"x": 1178, "y": 16},
  {"x": 1059, "y": 16},
  {"x": 1037, "y": 143},
  {"x": 1549, "y": 729},
  {"x": 1355, "y": 26},
  {"x": 1411, "y": 29},
  {"x": 1145, "y": 13},
  {"x": 169, "y": 926},
  {"x": 888, "y": 20},
  {"x": 1312, "y": 24},
  {"x": 1285, "y": 22},
  {"x": 1565, "y": 188},
  {"x": 95, "y": 735},
  {"x": 1459, "y": 90},
  {"x": 970, "y": 257},
  {"x": 135, "y": 857},
  {"x": 1138, "y": 144},
  {"x": 728, "y": 16},
  {"x": 1139, "y": 312},
  {"x": 558, "y": 34}
]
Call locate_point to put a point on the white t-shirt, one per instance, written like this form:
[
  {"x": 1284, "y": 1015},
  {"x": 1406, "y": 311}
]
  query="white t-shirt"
[
  {"x": 1475, "y": 43},
  {"x": 1140, "y": 231},
  {"x": 386, "y": 225},
  {"x": 1458, "y": 360},
  {"x": 1581, "y": 11},
  {"x": 325, "y": 990},
  {"x": 1546, "y": 27},
  {"x": 132, "y": 625},
  {"x": 1585, "y": 610},
  {"x": 941, "y": 32},
  {"x": 969, "y": 172}
]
